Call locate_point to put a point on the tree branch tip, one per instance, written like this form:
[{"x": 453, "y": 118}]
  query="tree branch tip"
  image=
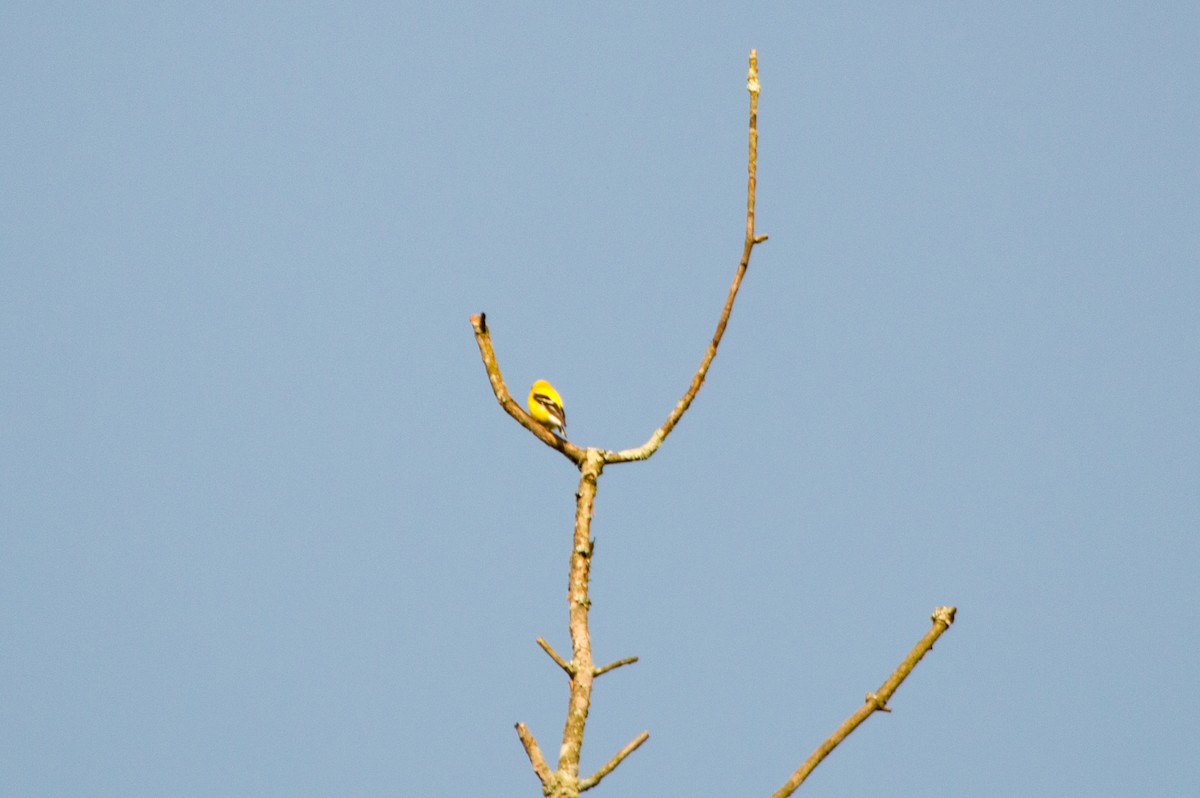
[
  {"x": 944, "y": 615},
  {"x": 759, "y": 239},
  {"x": 479, "y": 322}
]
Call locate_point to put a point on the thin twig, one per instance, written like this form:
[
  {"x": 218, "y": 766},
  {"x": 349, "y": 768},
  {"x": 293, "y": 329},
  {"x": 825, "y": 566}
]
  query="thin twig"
[
  {"x": 876, "y": 702},
  {"x": 651, "y": 446},
  {"x": 566, "y": 666},
  {"x": 612, "y": 666},
  {"x": 594, "y": 779}
]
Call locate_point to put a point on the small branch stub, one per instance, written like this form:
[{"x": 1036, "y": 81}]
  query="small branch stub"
[
  {"x": 612, "y": 666},
  {"x": 550, "y": 652},
  {"x": 540, "y": 768},
  {"x": 648, "y": 448}
]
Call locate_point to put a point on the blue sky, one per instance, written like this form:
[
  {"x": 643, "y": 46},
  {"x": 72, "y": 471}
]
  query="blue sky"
[{"x": 264, "y": 531}]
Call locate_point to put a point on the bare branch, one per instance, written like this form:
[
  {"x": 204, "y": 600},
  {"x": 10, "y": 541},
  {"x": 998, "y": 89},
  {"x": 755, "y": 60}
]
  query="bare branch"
[
  {"x": 594, "y": 779},
  {"x": 566, "y": 666},
  {"x": 876, "y": 702},
  {"x": 612, "y": 666},
  {"x": 483, "y": 337},
  {"x": 578, "y": 605},
  {"x": 651, "y": 446},
  {"x": 564, "y": 781},
  {"x": 540, "y": 768}
]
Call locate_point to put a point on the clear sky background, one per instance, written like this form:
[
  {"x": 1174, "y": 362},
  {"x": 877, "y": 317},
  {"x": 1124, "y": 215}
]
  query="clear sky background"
[{"x": 265, "y": 531}]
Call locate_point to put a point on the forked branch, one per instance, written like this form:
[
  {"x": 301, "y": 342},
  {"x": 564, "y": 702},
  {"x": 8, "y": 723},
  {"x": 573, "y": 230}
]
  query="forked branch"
[{"x": 564, "y": 780}]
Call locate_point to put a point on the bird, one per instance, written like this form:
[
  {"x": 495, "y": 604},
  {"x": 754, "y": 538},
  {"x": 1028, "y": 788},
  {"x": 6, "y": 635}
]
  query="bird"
[{"x": 546, "y": 407}]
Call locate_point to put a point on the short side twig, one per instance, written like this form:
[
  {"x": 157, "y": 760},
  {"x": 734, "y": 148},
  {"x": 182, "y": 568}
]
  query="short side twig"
[
  {"x": 651, "y": 446},
  {"x": 612, "y": 666},
  {"x": 550, "y": 652},
  {"x": 540, "y": 768},
  {"x": 594, "y": 779},
  {"x": 876, "y": 702}
]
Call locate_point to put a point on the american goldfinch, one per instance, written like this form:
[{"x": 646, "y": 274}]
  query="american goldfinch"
[{"x": 546, "y": 407}]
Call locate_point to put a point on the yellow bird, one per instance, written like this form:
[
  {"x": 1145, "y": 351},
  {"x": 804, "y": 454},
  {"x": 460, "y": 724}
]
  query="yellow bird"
[{"x": 546, "y": 407}]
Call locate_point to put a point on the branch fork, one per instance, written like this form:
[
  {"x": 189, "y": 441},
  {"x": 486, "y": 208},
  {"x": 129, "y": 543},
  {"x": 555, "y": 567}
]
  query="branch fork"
[{"x": 563, "y": 781}]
